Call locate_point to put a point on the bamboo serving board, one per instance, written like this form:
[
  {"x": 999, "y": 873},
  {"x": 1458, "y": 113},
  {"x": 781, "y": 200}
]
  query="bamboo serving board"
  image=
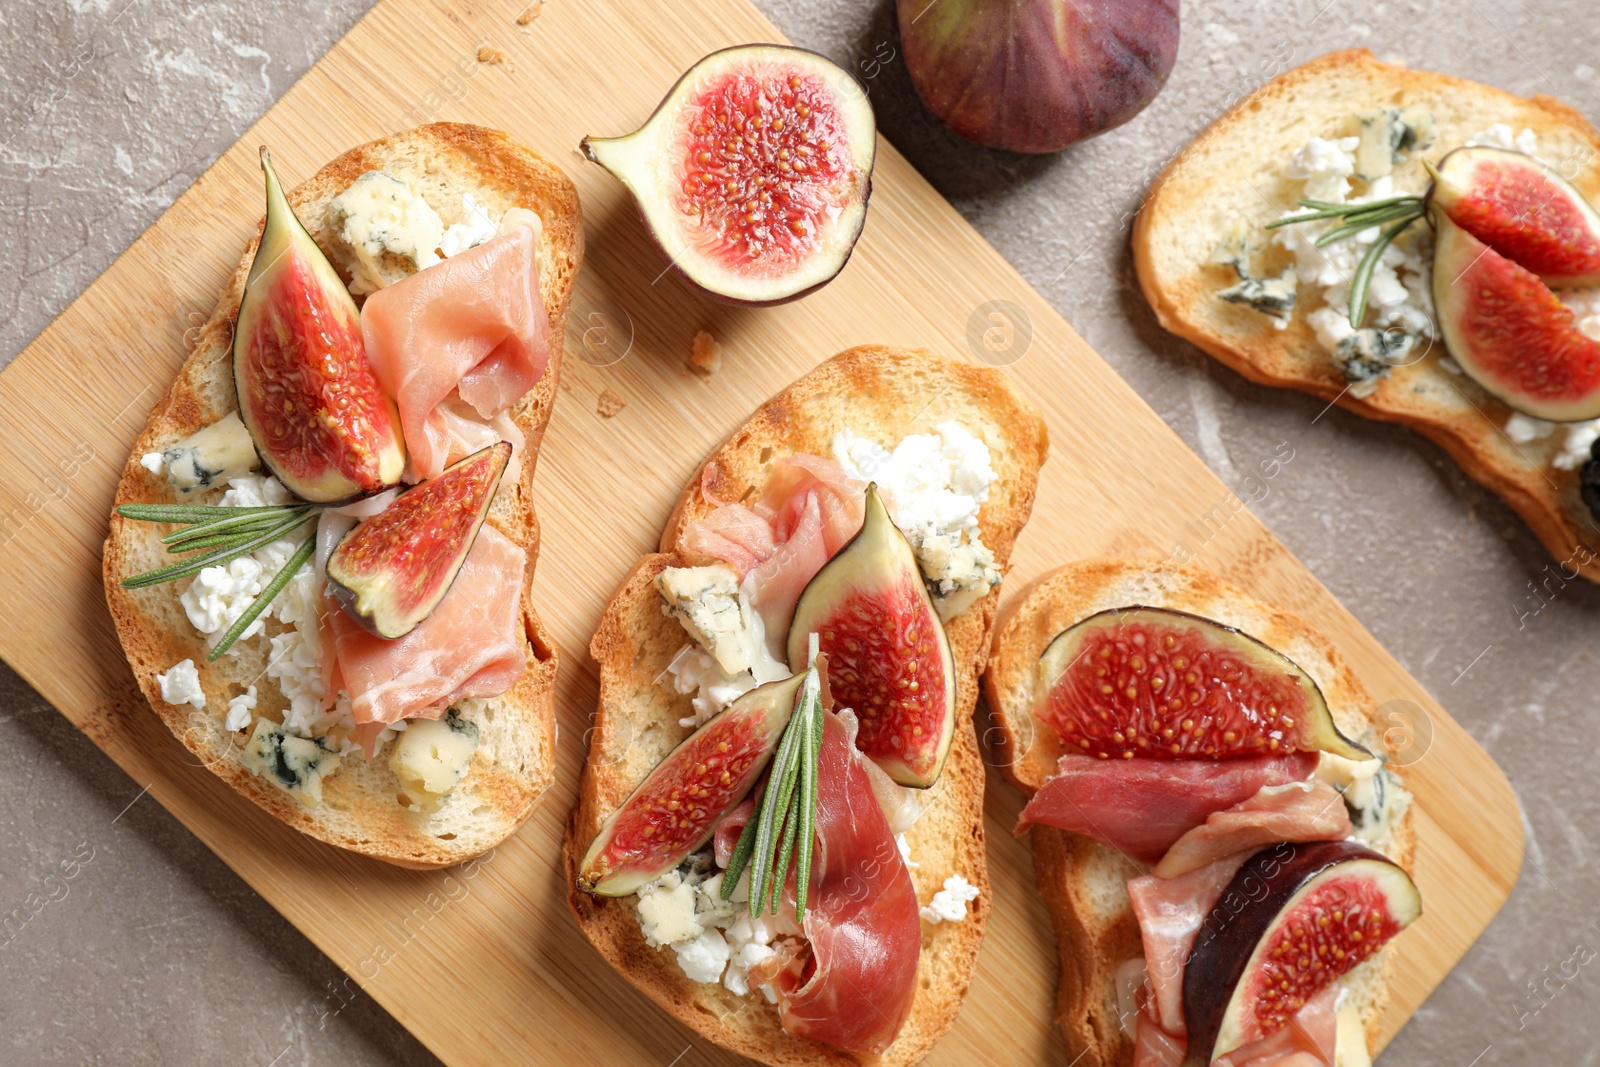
[{"x": 484, "y": 963}]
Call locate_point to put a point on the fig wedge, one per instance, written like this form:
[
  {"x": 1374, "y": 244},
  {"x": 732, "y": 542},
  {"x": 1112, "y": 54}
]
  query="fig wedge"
[
  {"x": 1524, "y": 210},
  {"x": 888, "y": 657},
  {"x": 1294, "y": 919},
  {"x": 675, "y": 810},
  {"x": 1161, "y": 684},
  {"x": 753, "y": 174},
  {"x": 1509, "y": 331},
  {"x": 391, "y": 571},
  {"x": 307, "y": 392}
]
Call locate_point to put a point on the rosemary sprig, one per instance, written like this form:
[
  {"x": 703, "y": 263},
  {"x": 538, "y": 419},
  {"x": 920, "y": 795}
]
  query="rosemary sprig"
[
  {"x": 1395, "y": 213},
  {"x": 220, "y": 535},
  {"x": 782, "y": 830}
]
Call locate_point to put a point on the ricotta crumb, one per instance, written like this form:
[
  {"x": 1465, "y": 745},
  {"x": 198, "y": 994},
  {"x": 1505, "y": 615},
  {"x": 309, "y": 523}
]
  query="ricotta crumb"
[
  {"x": 905, "y": 852},
  {"x": 696, "y": 675},
  {"x": 703, "y": 958},
  {"x": 1500, "y": 136},
  {"x": 934, "y": 485},
  {"x": 154, "y": 462},
  {"x": 240, "y": 709},
  {"x": 254, "y": 491},
  {"x": 950, "y": 903},
  {"x": 712, "y": 938},
  {"x": 180, "y": 684}
]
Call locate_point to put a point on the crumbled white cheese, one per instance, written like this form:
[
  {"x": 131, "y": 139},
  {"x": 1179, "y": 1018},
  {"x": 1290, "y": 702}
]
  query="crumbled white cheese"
[
  {"x": 295, "y": 663},
  {"x": 1577, "y": 437},
  {"x": 1500, "y": 136},
  {"x": 693, "y": 671},
  {"x": 1325, "y": 165},
  {"x": 180, "y": 684},
  {"x": 749, "y": 945},
  {"x": 217, "y": 597},
  {"x": 255, "y": 491},
  {"x": 934, "y": 485},
  {"x": 950, "y": 903},
  {"x": 239, "y": 710},
  {"x": 905, "y": 852},
  {"x": 708, "y": 603},
  {"x": 432, "y": 756},
  {"x": 703, "y": 958},
  {"x": 1585, "y": 307},
  {"x": 476, "y": 228},
  {"x": 154, "y": 462}
]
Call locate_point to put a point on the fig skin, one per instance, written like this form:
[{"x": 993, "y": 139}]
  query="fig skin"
[{"x": 1037, "y": 75}]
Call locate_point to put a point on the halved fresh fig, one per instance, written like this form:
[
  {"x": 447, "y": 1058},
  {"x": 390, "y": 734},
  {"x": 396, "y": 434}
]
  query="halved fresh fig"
[
  {"x": 1161, "y": 684},
  {"x": 391, "y": 571},
  {"x": 307, "y": 392},
  {"x": 1509, "y": 331},
  {"x": 675, "y": 810},
  {"x": 1037, "y": 75},
  {"x": 1522, "y": 209},
  {"x": 1294, "y": 919},
  {"x": 888, "y": 658},
  {"x": 753, "y": 173}
]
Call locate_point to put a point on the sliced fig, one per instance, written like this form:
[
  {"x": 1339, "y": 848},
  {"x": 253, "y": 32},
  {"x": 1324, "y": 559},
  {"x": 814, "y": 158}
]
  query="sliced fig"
[
  {"x": 675, "y": 810},
  {"x": 1037, "y": 75},
  {"x": 391, "y": 571},
  {"x": 888, "y": 658},
  {"x": 1509, "y": 331},
  {"x": 1293, "y": 920},
  {"x": 753, "y": 173},
  {"x": 1161, "y": 684},
  {"x": 1523, "y": 210},
  {"x": 307, "y": 393}
]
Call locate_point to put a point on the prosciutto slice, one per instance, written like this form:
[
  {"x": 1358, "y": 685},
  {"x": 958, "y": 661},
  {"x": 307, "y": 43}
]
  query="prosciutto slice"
[
  {"x": 464, "y": 339},
  {"x": 809, "y": 509},
  {"x": 469, "y": 647},
  {"x": 861, "y": 924},
  {"x": 1304, "y": 811},
  {"x": 1310, "y": 1040},
  {"x": 1140, "y": 807}
]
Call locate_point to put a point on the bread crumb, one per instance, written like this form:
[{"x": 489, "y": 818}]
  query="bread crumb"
[
  {"x": 487, "y": 54},
  {"x": 610, "y": 404},
  {"x": 530, "y": 13},
  {"x": 705, "y": 357}
]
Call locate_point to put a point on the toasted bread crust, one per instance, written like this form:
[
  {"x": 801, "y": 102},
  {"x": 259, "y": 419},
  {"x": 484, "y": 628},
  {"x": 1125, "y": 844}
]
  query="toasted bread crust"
[
  {"x": 1193, "y": 201},
  {"x": 884, "y": 393},
  {"x": 359, "y": 811},
  {"x": 1082, "y": 881}
]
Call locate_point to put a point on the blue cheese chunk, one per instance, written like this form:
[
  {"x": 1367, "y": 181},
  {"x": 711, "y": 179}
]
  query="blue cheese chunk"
[
  {"x": 431, "y": 756},
  {"x": 297, "y": 764},
  {"x": 706, "y": 601},
  {"x": 1273, "y": 297},
  {"x": 1386, "y": 135},
  {"x": 1367, "y": 354},
  {"x": 211, "y": 455},
  {"x": 384, "y": 231}
]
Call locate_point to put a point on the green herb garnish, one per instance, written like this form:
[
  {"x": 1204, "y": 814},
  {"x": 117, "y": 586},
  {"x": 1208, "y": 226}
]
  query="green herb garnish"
[
  {"x": 782, "y": 830},
  {"x": 1394, "y": 213},
  {"x": 221, "y": 535}
]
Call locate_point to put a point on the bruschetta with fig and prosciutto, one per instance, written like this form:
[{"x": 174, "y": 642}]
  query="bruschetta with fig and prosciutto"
[
  {"x": 779, "y": 831},
  {"x": 320, "y": 556},
  {"x": 1218, "y": 829}
]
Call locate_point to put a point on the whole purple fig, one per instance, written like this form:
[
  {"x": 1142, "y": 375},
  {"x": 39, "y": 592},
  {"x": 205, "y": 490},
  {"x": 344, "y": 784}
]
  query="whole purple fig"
[{"x": 1037, "y": 75}]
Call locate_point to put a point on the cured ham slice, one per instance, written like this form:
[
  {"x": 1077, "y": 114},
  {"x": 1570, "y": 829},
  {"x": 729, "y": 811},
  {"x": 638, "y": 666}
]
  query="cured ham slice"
[
  {"x": 1140, "y": 807},
  {"x": 469, "y": 334},
  {"x": 1170, "y": 913},
  {"x": 1305, "y": 811},
  {"x": 1310, "y": 1040},
  {"x": 808, "y": 510},
  {"x": 863, "y": 930},
  {"x": 469, "y": 646}
]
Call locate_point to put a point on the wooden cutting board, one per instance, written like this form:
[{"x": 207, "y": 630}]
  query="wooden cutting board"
[{"x": 484, "y": 964}]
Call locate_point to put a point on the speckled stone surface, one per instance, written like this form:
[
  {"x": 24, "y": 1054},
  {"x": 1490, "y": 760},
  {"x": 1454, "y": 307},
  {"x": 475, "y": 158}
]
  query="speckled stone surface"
[{"x": 152, "y": 952}]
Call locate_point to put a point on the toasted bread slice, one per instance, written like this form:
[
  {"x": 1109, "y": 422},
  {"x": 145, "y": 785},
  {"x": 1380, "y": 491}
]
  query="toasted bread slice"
[
  {"x": 885, "y": 394},
  {"x": 1083, "y": 882},
  {"x": 1233, "y": 174},
  {"x": 515, "y": 759}
]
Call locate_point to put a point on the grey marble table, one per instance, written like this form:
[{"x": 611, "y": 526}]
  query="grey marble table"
[{"x": 153, "y": 952}]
